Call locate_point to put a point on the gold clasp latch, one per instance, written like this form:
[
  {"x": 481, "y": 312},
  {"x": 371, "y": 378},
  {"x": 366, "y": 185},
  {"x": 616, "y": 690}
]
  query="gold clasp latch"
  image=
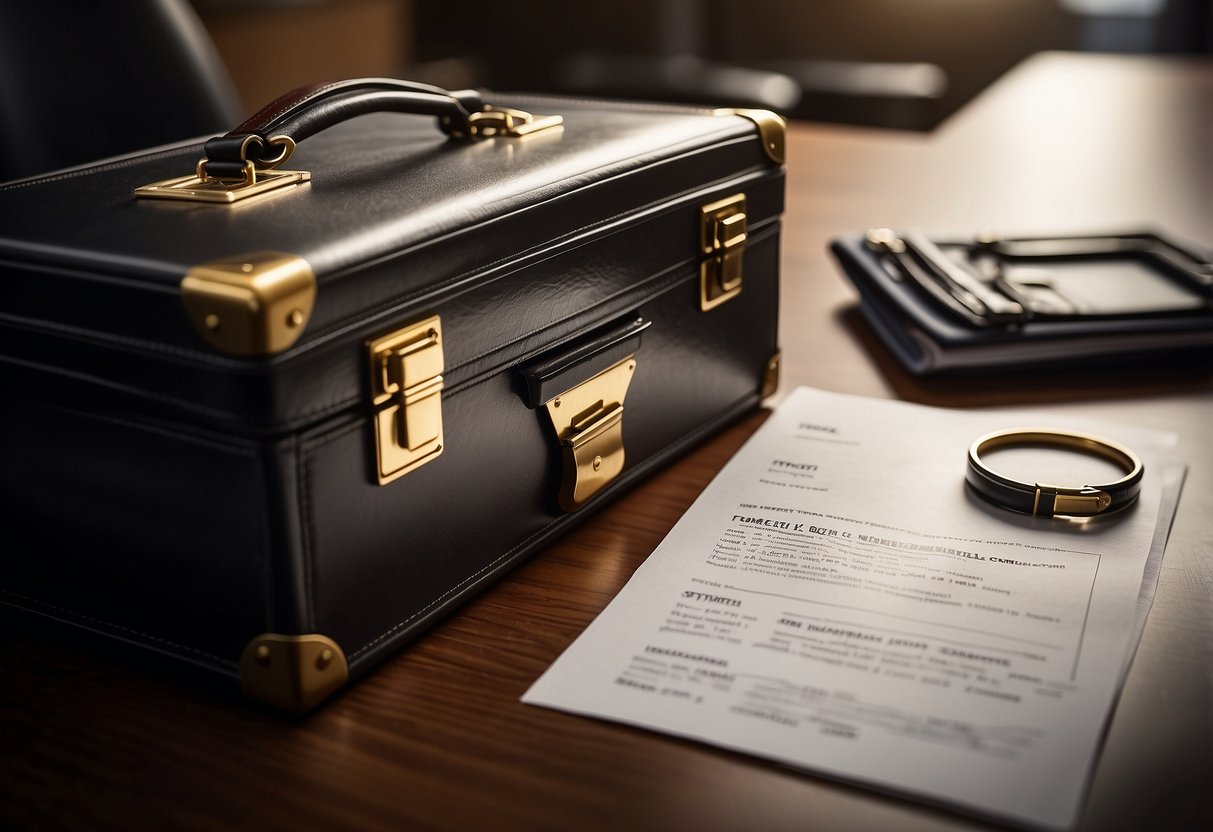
[
  {"x": 589, "y": 424},
  {"x": 722, "y": 242},
  {"x": 505, "y": 121},
  {"x": 1072, "y": 502},
  {"x": 406, "y": 391}
]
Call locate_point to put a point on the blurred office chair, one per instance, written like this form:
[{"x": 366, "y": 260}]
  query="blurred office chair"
[{"x": 81, "y": 81}]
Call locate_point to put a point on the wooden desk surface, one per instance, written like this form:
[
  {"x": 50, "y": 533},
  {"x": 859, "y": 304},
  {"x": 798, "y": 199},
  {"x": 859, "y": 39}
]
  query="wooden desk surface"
[{"x": 437, "y": 737}]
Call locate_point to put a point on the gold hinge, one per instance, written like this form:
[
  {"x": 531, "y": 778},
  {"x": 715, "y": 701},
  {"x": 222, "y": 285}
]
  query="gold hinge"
[
  {"x": 722, "y": 237},
  {"x": 250, "y": 305},
  {"x": 406, "y": 392},
  {"x": 589, "y": 424},
  {"x": 294, "y": 673}
]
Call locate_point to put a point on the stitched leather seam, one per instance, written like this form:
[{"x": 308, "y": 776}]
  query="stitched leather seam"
[
  {"x": 305, "y": 500},
  {"x": 116, "y": 165},
  {"x": 134, "y": 344},
  {"x": 213, "y": 444},
  {"x": 266, "y": 547},
  {"x": 121, "y": 388},
  {"x": 627, "y": 477},
  {"x": 112, "y": 625}
]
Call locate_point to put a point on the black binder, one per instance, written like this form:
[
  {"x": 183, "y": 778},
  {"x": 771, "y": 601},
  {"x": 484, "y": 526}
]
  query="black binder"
[{"x": 994, "y": 304}]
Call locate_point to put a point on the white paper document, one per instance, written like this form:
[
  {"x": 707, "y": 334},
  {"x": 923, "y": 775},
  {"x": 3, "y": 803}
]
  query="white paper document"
[{"x": 839, "y": 601}]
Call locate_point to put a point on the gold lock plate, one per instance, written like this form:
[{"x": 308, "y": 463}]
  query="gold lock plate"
[
  {"x": 202, "y": 188},
  {"x": 722, "y": 238},
  {"x": 406, "y": 393},
  {"x": 589, "y": 424}
]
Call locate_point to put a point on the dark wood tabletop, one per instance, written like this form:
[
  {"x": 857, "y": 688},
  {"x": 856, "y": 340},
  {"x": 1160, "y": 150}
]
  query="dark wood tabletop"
[{"x": 436, "y": 738}]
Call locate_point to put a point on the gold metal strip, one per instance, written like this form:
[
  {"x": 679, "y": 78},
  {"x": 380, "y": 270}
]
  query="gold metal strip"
[{"x": 223, "y": 191}]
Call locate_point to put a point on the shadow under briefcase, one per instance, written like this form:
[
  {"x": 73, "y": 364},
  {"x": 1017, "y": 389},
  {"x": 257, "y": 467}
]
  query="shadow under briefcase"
[{"x": 277, "y": 422}]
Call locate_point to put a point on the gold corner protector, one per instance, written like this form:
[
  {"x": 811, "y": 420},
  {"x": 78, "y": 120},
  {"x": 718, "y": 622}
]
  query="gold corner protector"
[
  {"x": 249, "y": 305},
  {"x": 772, "y": 128},
  {"x": 294, "y": 673},
  {"x": 770, "y": 377}
]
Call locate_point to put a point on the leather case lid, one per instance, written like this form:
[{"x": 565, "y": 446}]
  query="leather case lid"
[{"x": 396, "y": 220}]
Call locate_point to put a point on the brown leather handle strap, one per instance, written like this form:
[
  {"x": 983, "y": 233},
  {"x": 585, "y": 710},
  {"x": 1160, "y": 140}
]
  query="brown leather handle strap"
[{"x": 304, "y": 111}]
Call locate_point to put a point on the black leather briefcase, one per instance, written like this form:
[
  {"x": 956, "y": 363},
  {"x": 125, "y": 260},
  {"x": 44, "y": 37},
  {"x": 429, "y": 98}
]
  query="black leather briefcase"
[{"x": 277, "y": 422}]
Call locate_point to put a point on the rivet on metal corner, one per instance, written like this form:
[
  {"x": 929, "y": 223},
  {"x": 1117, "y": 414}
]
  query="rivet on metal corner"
[
  {"x": 246, "y": 267},
  {"x": 212, "y": 322},
  {"x": 597, "y": 462},
  {"x": 263, "y": 655},
  {"x": 556, "y": 403},
  {"x": 295, "y": 318},
  {"x": 324, "y": 659}
]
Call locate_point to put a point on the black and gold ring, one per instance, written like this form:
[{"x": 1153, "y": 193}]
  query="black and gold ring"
[{"x": 1043, "y": 500}]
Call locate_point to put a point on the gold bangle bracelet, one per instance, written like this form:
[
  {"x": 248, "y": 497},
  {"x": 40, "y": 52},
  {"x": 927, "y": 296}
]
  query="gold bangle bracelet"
[{"x": 1043, "y": 500}]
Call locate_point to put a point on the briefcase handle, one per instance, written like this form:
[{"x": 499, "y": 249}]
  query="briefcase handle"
[
  {"x": 242, "y": 163},
  {"x": 268, "y": 137}
]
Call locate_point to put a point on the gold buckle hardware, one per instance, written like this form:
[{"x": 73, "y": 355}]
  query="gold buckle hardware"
[
  {"x": 505, "y": 121},
  {"x": 722, "y": 239},
  {"x": 254, "y": 181},
  {"x": 589, "y": 424},
  {"x": 406, "y": 391},
  {"x": 1073, "y": 502}
]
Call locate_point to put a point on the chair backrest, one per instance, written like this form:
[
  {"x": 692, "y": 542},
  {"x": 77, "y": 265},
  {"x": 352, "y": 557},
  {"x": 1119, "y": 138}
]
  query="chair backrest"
[{"x": 81, "y": 81}]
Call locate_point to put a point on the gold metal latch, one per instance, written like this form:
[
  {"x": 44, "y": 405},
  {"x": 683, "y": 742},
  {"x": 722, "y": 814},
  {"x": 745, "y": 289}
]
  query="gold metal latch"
[
  {"x": 406, "y": 391},
  {"x": 589, "y": 424},
  {"x": 722, "y": 243},
  {"x": 1074, "y": 502}
]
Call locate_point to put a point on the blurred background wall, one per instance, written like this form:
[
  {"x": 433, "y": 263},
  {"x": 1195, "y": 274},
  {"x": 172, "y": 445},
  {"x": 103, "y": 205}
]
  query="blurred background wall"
[
  {"x": 890, "y": 63},
  {"x": 81, "y": 81}
]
